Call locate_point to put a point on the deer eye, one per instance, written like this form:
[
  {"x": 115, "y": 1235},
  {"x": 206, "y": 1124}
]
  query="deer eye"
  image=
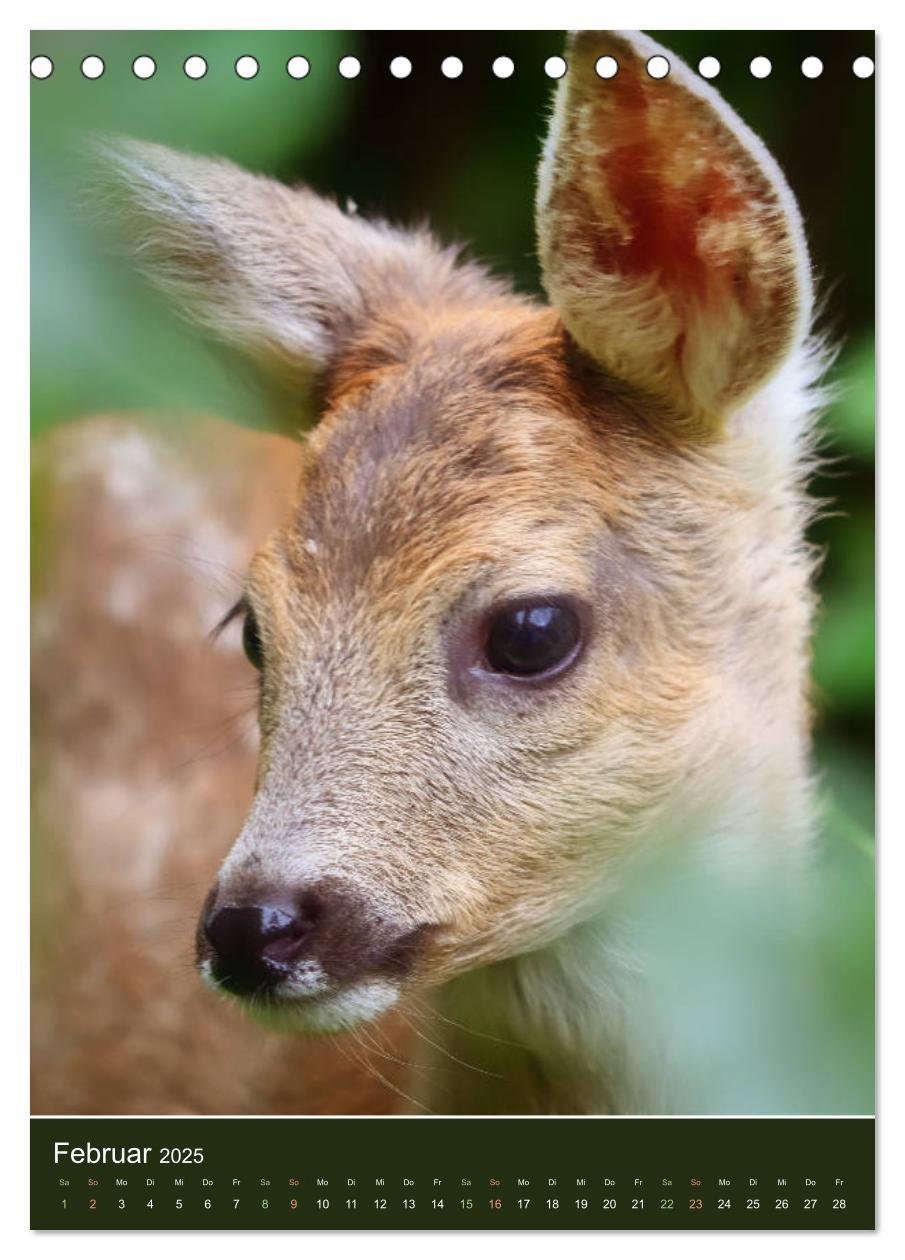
[
  {"x": 251, "y": 640},
  {"x": 532, "y": 638}
]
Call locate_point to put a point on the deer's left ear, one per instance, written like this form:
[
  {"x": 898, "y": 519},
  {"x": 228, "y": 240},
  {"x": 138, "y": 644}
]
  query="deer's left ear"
[{"x": 669, "y": 240}]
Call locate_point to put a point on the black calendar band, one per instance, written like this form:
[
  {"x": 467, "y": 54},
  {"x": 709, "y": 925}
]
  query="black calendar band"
[{"x": 439, "y": 1173}]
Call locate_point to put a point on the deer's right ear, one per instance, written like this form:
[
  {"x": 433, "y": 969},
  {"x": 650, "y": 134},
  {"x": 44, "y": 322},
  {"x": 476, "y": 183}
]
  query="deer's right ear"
[
  {"x": 278, "y": 272},
  {"x": 670, "y": 243}
]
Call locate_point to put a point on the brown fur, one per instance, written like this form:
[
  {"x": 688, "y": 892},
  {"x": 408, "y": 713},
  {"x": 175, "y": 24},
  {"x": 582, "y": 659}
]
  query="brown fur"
[
  {"x": 638, "y": 447},
  {"x": 145, "y": 749}
]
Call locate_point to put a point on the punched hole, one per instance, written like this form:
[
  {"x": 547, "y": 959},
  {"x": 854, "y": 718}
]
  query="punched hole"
[
  {"x": 92, "y": 67},
  {"x": 298, "y": 67},
  {"x": 247, "y": 67},
  {"x": 195, "y": 67}
]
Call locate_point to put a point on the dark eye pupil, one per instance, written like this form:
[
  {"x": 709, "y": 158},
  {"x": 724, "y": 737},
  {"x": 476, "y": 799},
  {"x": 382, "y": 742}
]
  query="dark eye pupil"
[
  {"x": 532, "y": 639},
  {"x": 251, "y": 641}
]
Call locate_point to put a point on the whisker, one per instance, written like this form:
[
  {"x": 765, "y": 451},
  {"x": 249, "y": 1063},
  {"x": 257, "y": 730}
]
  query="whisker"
[
  {"x": 378, "y": 1076},
  {"x": 443, "y": 1050},
  {"x": 429, "y": 1013},
  {"x": 370, "y": 1046}
]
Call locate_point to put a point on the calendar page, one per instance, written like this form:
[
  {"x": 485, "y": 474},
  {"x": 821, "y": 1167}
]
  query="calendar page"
[{"x": 453, "y": 630}]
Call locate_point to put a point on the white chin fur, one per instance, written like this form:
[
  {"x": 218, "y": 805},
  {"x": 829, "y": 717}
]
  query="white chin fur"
[
  {"x": 336, "y": 1011},
  {"x": 307, "y": 1008}
]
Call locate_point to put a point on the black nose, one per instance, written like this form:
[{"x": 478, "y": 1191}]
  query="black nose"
[{"x": 255, "y": 946}]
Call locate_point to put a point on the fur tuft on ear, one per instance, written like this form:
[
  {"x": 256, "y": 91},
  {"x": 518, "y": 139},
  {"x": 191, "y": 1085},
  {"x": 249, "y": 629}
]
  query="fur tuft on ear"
[
  {"x": 669, "y": 240},
  {"x": 281, "y": 273}
]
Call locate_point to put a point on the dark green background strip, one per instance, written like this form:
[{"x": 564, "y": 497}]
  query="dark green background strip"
[{"x": 428, "y": 1173}]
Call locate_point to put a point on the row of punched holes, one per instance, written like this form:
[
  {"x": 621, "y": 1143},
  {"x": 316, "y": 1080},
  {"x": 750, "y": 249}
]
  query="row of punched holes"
[{"x": 451, "y": 67}]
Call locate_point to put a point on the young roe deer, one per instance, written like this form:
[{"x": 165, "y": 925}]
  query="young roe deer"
[{"x": 541, "y": 601}]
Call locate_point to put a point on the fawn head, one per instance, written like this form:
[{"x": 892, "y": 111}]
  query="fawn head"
[{"x": 539, "y": 591}]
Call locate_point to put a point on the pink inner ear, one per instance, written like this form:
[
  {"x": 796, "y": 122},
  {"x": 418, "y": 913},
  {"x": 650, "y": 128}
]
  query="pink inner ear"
[{"x": 676, "y": 194}]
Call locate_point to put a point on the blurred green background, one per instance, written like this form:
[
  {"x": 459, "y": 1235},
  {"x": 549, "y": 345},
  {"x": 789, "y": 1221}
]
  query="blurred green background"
[{"x": 462, "y": 153}]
